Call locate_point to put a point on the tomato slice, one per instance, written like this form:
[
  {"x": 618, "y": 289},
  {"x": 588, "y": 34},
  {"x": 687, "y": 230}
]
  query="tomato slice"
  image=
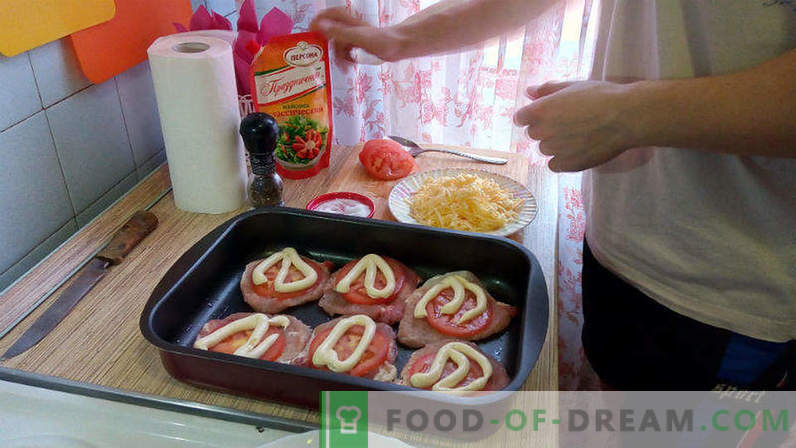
[
  {"x": 386, "y": 160},
  {"x": 373, "y": 357},
  {"x": 359, "y": 295},
  {"x": 267, "y": 289},
  {"x": 233, "y": 342},
  {"x": 423, "y": 364},
  {"x": 448, "y": 323}
]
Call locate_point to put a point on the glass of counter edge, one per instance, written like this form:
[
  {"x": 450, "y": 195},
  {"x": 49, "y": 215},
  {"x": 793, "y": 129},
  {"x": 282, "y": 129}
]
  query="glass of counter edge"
[{"x": 326, "y": 197}]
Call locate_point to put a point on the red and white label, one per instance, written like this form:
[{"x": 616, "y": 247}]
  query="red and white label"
[
  {"x": 304, "y": 73},
  {"x": 303, "y": 54},
  {"x": 289, "y": 83}
]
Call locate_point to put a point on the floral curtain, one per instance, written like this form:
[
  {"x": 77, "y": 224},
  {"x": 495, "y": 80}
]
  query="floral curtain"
[{"x": 469, "y": 99}]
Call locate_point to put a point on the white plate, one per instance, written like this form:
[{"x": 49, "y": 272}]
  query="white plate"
[{"x": 399, "y": 206}]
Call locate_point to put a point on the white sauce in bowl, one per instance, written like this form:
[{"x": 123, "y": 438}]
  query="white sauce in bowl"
[{"x": 343, "y": 206}]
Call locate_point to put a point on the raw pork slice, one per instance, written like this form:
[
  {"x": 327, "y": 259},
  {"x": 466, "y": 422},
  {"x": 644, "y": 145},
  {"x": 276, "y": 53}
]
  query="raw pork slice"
[
  {"x": 296, "y": 335},
  {"x": 334, "y": 302},
  {"x": 386, "y": 371},
  {"x": 497, "y": 381},
  {"x": 275, "y": 304},
  {"x": 417, "y": 332}
]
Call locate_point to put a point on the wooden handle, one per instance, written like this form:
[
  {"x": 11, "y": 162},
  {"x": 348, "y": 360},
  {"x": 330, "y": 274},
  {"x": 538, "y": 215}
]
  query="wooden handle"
[{"x": 136, "y": 229}]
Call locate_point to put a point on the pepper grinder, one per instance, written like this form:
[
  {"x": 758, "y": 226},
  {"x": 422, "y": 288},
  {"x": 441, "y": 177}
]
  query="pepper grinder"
[{"x": 260, "y": 132}]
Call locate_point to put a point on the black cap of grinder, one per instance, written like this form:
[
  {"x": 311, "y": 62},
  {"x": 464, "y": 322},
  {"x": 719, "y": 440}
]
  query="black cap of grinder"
[{"x": 260, "y": 132}]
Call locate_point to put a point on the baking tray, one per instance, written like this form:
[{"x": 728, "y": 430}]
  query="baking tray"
[{"x": 203, "y": 284}]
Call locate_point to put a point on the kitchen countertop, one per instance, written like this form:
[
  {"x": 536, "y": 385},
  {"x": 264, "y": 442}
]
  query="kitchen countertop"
[{"x": 99, "y": 342}]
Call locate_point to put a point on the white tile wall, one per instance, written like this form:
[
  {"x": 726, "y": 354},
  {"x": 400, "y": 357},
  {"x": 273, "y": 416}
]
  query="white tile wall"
[
  {"x": 107, "y": 199},
  {"x": 138, "y": 101},
  {"x": 19, "y": 98},
  {"x": 37, "y": 253},
  {"x": 68, "y": 149},
  {"x": 33, "y": 194},
  {"x": 222, "y": 7},
  {"x": 92, "y": 144},
  {"x": 57, "y": 71},
  {"x": 233, "y": 18},
  {"x": 151, "y": 165}
]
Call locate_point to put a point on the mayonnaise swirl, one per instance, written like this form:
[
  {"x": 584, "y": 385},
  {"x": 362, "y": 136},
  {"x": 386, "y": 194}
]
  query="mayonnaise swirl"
[
  {"x": 289, "y": 257},
  {"x": 369, "y": 264},
  {"x": 459, "y": 284},
  {"x": 255, "y": 346},
  {"x": 325, "y": 355},
  {"x": 460, "y": 353}
]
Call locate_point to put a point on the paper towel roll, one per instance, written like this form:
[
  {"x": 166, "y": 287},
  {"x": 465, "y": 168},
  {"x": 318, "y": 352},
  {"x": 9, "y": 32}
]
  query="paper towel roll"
[
  {"x": 227, "y": 35},
  {"x": 197, "y": 100}
]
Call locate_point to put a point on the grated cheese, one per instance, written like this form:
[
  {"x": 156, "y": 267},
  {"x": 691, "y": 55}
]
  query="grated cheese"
[{"x": 464, "y": 202}]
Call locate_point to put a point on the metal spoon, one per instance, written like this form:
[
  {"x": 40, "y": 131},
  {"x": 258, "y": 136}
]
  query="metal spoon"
[{"x": 415, "y": 150}]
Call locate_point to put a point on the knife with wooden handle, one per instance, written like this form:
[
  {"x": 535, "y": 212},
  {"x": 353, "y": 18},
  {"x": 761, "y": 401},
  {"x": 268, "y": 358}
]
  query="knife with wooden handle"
[{"x": 136, "y": 229}]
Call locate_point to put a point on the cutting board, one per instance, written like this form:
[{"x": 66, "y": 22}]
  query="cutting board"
[
  {"x": 26, "y": 24},
  {"x": 112, "y": 47},
  {"x": 351, "y": 175}
]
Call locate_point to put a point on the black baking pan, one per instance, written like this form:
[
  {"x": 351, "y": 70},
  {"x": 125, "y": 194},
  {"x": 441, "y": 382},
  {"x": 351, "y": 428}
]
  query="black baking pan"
[{"x": 203, "y": 284}]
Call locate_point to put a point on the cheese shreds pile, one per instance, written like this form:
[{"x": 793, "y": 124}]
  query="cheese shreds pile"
[{"x": 463, "y": 202}]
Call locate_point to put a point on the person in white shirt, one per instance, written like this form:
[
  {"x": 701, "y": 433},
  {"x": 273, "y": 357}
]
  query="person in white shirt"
[{"x": 687, "y": 133}]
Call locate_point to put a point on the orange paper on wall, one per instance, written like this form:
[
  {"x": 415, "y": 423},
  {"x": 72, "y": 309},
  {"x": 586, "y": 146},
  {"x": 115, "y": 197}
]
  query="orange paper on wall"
[
  {"x": 112, "y": 47},
  {"x": 26, "y": 24}
]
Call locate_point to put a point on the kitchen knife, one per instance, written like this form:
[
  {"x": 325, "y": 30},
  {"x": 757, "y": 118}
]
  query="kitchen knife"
[{"x": 136, "y": 229}]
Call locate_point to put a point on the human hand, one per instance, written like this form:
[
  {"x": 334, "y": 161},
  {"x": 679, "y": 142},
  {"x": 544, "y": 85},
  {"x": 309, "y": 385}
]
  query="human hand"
[
  {"x": 581, "y": 124},
  {"x": 348, "y": 32}
]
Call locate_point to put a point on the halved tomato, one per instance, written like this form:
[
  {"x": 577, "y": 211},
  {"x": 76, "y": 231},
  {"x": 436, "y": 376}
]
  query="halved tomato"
[
  {"x": 267, "y": 289},
  {"x": 386, "y": 160},
  {"x": 233, "y": 342},
  {"x": 448, "y": 323},
  {"x": 374, "y": 355},
  {"x": 423, "y": 364},
  {"x": 357, "y": 293}
]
